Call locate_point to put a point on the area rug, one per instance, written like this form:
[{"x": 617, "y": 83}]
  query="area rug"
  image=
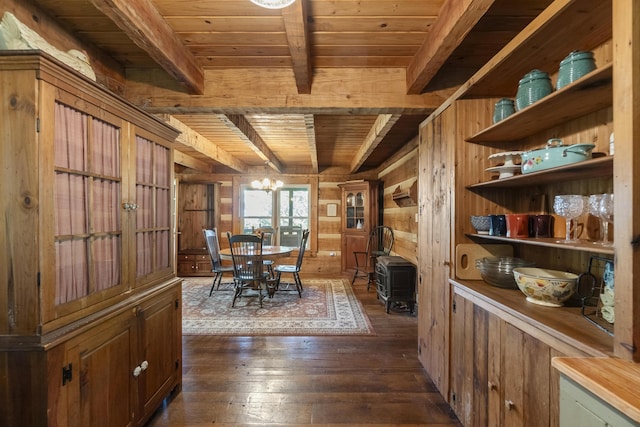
[{"x": 327, "y": 307}]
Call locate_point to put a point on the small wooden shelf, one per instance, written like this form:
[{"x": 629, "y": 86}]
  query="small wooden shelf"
[
  {"x": 565, "y": 324},
  {"x": 554, "y": 242},
  {"x": 594, "y": 168},
  {"x": 407, "y": 197},
  {"x": 591, "y": 93}
]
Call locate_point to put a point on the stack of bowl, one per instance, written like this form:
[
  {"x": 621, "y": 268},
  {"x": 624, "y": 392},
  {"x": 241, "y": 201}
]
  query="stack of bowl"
[{"x": 498, "y": 271}]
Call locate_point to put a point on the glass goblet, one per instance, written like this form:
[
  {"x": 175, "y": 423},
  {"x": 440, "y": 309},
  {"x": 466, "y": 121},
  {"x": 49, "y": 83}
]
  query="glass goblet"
[
  {"x": 594, "y": 209},
  {"x": 606, "y": 214},
  {"x": 570, "y": 207}
]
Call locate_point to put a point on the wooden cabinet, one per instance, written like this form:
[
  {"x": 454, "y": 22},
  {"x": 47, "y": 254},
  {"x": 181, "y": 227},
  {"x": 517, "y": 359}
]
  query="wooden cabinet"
[
  {"x": 360, "y": 214},
  {"x": 501, "y": 374},
  {"x": 87, "y": 202},
  {"x": 117, "y": 372},
  {"x": 194, "y": 262},
  {"x": 197, "y": 210}
]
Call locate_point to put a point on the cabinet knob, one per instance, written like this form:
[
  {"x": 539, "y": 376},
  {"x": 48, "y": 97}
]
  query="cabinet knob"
[
  {"x": 491, "y": 385},
  {"x": 509, "y": 404},
  {"x": 144, "y": 365},
  {"x": 136, "y": 371}
]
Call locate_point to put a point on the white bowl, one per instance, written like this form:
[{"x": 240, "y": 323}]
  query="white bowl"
[{"x": 545, "y": 287}]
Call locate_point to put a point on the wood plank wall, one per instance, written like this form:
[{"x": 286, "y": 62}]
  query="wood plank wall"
[{"x": 402, "y": 219}]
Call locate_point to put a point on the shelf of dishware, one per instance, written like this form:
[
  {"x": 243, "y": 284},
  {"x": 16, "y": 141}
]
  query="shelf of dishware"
[
  {"x": 590, "y": 93},
  {"x": 594, "y": 168},
  {"x": 543, "y": 42},
  {"x": 550, "y": 242}
]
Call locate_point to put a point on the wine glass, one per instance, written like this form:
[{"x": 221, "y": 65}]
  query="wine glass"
[
  {"x": 570, "y": 207},
  {"x": 606, "y": 215},
  {"x": 594, "y": 209}
]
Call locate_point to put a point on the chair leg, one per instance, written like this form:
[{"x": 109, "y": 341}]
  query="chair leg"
[
  {"x": 213, "y": 285},
  {"x": 219, "y": 277},
  {"x": 296, "y": 278},
  {"x": 355, "y": 274},
  {"x": 238, "y": 291}
]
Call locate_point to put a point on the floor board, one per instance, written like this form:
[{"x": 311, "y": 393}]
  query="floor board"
[{"x": 298, "y": 381}]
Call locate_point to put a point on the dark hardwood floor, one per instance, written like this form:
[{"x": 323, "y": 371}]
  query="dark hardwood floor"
[{"x": 319, "y": 380}]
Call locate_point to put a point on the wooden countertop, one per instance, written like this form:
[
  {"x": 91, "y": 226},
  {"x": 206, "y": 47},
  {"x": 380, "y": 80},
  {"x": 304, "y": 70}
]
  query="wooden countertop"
[{"x": 614, "y": 380}]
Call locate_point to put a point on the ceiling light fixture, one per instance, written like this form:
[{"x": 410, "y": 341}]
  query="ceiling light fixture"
[
  {"x": 273, "y": 4},
  {"x": 267, "y": 184}
]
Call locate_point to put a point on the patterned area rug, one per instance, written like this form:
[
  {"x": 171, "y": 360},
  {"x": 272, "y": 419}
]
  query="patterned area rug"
[{"x": 327, "y": 307}]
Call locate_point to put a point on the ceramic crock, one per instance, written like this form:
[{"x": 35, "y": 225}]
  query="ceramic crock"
[
  {"x": 534, "y": 86},
  {"x": 555, "y": 154},
  {"x": 577, "y": 64},
  {"x": 503, "y": 109}
]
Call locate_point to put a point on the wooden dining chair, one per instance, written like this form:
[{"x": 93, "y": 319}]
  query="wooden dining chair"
[
  {"x": 380, "y": 243},
  {"x": 248, "y": 268},
  {"x": 213, "y": 247},
  {"x": 269, "y": 238},
  {"x": 294, "y": 269}
]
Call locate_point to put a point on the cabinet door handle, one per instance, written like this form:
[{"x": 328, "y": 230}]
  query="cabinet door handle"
[
  {"x": 509, "y": 404},
  {"x": 144, "y": 365},
  {"x": 136, "y": 371}
]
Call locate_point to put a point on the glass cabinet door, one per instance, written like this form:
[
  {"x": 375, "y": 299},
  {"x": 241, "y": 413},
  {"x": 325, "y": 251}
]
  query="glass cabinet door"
[{"x": 355, "y": 212}]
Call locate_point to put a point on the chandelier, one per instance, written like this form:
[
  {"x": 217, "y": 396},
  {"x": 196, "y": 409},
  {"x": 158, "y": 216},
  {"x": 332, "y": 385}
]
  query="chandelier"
[
  {"x": 273, "y": 4},
  {"x": 267, "y": 184}
]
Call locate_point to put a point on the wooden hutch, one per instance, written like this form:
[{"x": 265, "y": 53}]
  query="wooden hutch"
[
  {"x": 90, "y": 308},
  {"x": 360, "y": 214},
  {"x": 489, "y": 351}
]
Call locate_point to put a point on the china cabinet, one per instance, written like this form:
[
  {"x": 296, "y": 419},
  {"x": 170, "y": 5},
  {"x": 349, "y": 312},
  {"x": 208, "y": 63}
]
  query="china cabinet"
[
  {"x": 90, "y": 302},
  {"x": 360, "y": 214},
  {"x": 196, "y": 211},
  {"x": 581, "y": 111}
]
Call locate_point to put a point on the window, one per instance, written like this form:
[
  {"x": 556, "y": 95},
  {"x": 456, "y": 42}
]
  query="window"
[{"x": 290, "y": 218}]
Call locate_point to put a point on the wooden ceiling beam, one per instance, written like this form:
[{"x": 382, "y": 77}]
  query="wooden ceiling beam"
[
  {"x": 241, "y": 127},
  {"x": 379, "y": 130},
  {"x": 196, "y": 141},
  {"x": 455, "y": 20},
  {"x": 144, "y": 25},
  {"x": 188, "y": 161},
  {"x": 295, "y": 24},
  {"x": 272, "y": 90},
  {"x": 309, "y": 124}
]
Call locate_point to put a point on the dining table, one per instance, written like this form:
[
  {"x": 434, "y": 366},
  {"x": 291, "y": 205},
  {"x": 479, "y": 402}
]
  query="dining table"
[{"x": 268, "y": 252}]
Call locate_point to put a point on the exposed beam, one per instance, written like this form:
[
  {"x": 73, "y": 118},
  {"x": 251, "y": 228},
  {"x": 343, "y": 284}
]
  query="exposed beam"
[
  {"x": 309, "y": 124},
  {"x": 241, "y": 126},
  {"x": 144, "y": 25},
  {"x": 243, "y": 91},
  {"x": 196, "y": 141},
  {"x": 295, "y": 25},
  {"x": 455, "y": 20},
  {"x": 184, "y": 159},
  {"x": 378, "y": 131}
]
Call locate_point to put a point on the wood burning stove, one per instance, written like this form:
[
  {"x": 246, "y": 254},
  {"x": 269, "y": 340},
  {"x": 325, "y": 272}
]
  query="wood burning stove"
[{"x": 396, "y": 281}]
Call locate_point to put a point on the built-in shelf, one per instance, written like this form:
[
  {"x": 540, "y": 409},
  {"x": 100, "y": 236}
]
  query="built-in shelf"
[
  {"x": 563, "y": 26},
  {"x": 408, "y": 197},
  {"x": 593, "y": 168},
  {"x": 552, "y": 242},
  {"x": 564, "y": 323},
  {"x": 591, "y": 93}
]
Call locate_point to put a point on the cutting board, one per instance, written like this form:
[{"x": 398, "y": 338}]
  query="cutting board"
[{"x": 468, "y": 253}]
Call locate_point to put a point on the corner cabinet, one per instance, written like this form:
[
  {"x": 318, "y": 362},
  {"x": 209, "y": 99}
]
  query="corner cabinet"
[
  {"x": 90, "y": 324},
  {"x": 360, "y": 214},
  {"x": 582, "y": 111}
]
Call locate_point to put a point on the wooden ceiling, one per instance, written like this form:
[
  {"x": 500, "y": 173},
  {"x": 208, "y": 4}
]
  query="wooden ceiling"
[{"x": 320, "y": 86}]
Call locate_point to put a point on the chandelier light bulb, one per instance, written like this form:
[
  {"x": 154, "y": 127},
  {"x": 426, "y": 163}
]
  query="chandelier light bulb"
[
  {"x": 266, "y": 184},
  {"x": 273, "y": 4}
]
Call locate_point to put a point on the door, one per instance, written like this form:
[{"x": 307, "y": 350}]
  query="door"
[{"x": 158, "y": 364}]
